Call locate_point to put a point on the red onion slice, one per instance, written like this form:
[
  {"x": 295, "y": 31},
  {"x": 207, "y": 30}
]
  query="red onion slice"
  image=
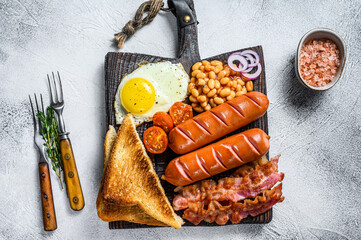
[
  {"x": 248, "y": 69},
  {"x": 251, "y": 76},
  {"x": 251, "y": 53},
  {"x": 243, "y": 63},
  {"x": 252, "y": 62}
]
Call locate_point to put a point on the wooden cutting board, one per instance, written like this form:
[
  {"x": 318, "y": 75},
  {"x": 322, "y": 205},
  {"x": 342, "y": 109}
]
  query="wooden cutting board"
[{"x": 119, "y": 63}]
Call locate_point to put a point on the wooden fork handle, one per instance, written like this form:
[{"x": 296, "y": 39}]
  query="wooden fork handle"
[
  {"x": 47, "y": 198},
  {"x": 73, "y": 186}
]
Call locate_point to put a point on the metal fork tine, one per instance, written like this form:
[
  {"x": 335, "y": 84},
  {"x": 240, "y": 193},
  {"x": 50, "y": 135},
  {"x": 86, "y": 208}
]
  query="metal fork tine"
[
  {"x": 32, "y": 110},
  {"x": 36, "y": 102},
  {"x": 61, "y": 88},
  {"x": 42, "y": 103},
  {"x": 50, "y": 90},
  {"x": 55, "y": 90},
  {"x": 37, "y": 108}
]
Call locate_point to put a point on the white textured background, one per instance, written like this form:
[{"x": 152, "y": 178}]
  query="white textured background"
[{"x": 318, "y": 134}]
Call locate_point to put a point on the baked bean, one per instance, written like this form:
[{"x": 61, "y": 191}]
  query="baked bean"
[
  {"x": 204, "y": 104},
  {"x": 191, "y": 86},
  {"x": 221, "y": 74},
  {"x": 201, "y": 82},
  {"x": 234, "y": 83},
  {"x": 205, "y": 62},
  {"x": 225, "y": 92},
  {"x": 195, "y": 105},
  {"x": 218, "y": 100},
  {"x": 224, "y": 81},
  {"x": 198, "y": 109},
  {"x": 215, "y": 62},
  {"x": 195, "y": 72},
  {"x": 212, "y": 75},
  {"x": 201, "y": 68},
  {"x": 193, "y": 80},
  {"x": 207, "y": 108},
  {"x": 239, "y": 87},
  {"x": 202, "y": 98},
  {"x": 249, "y": 86},
  {"x": 219, "y": 90},
  {"x": 195, "y": 93},
  {"x": 218, "y": 68},
  {"x": 211, "y": 83},
  {"x": 211, "y": 102},
  {"x": 201, "y": 75},
  {"x": 231, "y": 96},
  {"x": 206, "y": 89},
  {"x": 196, "y": 66},
  {"x": 193, "y": 99},
  {"x": 244, "y": 90},
  {"x": 229, "y": 84},
  {"x": 212, "y": 93},
  {"x": 208, "y": 67},
  {"x": 217, "y": 84},
  {"x": 227, "y": 70},
  {"x": 240, "y": 81},
  {"x": 239, "y": 93}
]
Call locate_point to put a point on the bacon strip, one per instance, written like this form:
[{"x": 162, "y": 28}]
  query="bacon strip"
[
  {"x": 246, "y": 182},
  {"x": 221, "y": 212}
]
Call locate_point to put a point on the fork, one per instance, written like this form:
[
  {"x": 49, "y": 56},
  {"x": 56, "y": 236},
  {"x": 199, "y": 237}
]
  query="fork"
[
  {"x": 73, "y": 186},
  {"x": 49, "y": 217}
]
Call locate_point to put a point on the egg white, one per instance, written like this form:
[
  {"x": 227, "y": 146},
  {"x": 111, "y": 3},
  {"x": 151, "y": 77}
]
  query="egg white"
[{"x": 170, "y": 83}]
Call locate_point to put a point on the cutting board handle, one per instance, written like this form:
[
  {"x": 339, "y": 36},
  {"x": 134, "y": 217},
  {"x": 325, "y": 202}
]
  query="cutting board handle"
[{"x": 188, "y": 52}]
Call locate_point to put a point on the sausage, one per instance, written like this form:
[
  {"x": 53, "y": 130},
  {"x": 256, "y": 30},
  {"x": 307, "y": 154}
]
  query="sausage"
[
  {"x": 218, "y": 157},
  {"x": 217, "y": 122}
]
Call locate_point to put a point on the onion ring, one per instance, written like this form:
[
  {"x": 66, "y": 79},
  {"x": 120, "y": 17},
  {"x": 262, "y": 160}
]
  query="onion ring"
[
  {"x": 250, "y": 54},
  {"x": 251, "y": 76},
  {"x": 243, "y": 63}
]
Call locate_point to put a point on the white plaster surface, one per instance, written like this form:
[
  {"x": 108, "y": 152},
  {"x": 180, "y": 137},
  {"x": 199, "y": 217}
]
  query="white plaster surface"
[{"x": 318, "y": 134}]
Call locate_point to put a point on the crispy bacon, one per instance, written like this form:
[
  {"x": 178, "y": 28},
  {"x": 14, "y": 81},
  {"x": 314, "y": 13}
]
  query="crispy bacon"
[
  {"x": 221, "y": 212},
  {"x": 246, "y": 182}
]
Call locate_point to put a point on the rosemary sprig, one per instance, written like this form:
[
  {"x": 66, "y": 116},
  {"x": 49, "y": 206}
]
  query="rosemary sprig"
[{"x": 52, "y": 143}]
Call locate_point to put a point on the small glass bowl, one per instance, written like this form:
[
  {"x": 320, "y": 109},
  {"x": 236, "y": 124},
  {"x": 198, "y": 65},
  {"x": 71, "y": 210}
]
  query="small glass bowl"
[{"x": 316, "y": 34}]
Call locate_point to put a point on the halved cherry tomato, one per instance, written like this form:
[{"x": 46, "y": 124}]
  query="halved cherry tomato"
[
  {"x": 155, "y": 140},
  {"x": 180, "y": 112},
  {"x": 163, "y": 120}
]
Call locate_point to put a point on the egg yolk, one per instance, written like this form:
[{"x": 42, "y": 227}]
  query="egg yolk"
[{"x": 137, "y": 95}]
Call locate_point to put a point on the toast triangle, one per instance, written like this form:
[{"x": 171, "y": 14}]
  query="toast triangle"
[
  {"x": 130, "y": 179},
  {"x": 112, "y": 212}
]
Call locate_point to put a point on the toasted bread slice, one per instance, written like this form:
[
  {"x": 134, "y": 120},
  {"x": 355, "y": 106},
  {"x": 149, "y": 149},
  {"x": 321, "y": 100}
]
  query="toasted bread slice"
[
  {"x": 131, "y": 180},
  {"x": 112, "y": 212}
]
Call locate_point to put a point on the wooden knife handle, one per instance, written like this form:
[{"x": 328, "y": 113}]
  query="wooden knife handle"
[
  {"x": 73, "y": 186},
  {"x": 47, "y": 198}
]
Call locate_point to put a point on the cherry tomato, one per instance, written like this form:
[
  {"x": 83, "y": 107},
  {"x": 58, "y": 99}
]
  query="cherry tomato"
[
  {"x": 180, "y": 112},
  {"x": 163, "y": 120},
  {"x": 155, "y": 140}
]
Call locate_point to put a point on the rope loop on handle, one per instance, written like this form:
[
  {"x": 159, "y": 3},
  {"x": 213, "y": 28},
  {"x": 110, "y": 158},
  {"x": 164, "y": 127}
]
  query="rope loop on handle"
[{"x": 152, "y": 7}]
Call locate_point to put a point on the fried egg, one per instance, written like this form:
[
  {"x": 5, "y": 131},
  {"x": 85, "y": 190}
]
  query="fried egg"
[{"x": 151, "y": 88}]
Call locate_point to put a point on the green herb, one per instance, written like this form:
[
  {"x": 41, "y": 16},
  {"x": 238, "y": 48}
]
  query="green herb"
[{"x": 52, "y": 143}]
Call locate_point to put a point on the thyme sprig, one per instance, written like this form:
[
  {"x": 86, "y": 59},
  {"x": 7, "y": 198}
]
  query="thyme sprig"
[{"x": 52, "y": 143}]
